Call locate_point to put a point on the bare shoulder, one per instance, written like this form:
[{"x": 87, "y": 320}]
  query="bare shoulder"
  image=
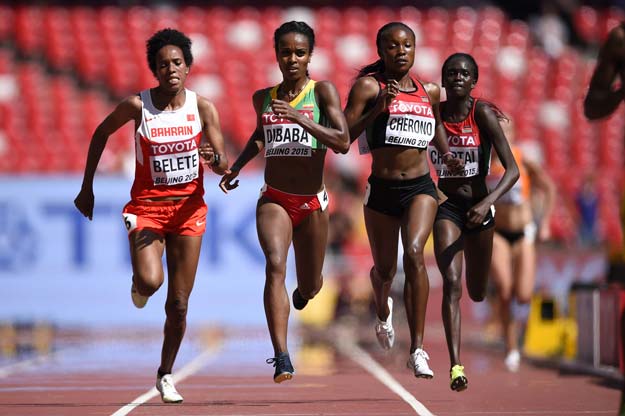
[
  {"x": 366, "y": 87},
  {"x": 325, "y": 86},
  {"x": 433, "y": 90},
  {"x": 366, "y": 82},
  {"x": 204, "y": 104},
  {"x": 130, "y": 106},
  {"x": 326, "y": 91},
  {"x": 261, "y": 94},
  {"x": 258, "y": 98},
  {"x": 484, "y": 112}
]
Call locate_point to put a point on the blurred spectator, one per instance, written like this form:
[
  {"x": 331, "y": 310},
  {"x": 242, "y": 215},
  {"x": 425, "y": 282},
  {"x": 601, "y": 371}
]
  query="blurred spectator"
[
  {"x": 513, "y": 265},
  {"x": 587, "y": 204}
]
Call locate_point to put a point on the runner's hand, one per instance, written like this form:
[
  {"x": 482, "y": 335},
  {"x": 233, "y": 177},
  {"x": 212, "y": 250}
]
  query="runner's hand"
[
  {"x": 226, "y": 183},
  {"x": 84, "y": 202}
]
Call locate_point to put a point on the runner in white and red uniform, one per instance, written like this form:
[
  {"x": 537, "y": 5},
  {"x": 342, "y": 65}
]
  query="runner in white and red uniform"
[
  {"x": 399, "y": 117},
  {"x": 464, "y": 223},
  {"x": 296, "y": 121},
  {"x": 167, "y": 209}
]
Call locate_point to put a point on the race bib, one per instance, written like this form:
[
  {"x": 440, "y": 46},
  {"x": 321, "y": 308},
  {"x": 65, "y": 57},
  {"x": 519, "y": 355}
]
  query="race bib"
[
  {"x": 285, "y": 138},
  {"x": 410, "y": 124},
  {"x": 468, "y": 155},
  {"x": 463, "y": 147},
  {"x": 173, "y": 163}
]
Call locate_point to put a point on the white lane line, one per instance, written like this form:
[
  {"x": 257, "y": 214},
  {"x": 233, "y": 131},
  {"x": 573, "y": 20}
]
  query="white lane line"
[
  {"x": 350, "y": 349},
  {"x": 191, "y": 368}
]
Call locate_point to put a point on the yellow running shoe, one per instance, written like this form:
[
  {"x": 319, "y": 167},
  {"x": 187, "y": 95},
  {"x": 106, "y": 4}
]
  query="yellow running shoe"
[{"x": 459, "y": 381}]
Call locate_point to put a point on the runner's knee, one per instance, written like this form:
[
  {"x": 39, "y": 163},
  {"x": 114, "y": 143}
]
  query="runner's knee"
[
  {"x": 176, "y": 309},
  {"x": 384, "y": 273}
]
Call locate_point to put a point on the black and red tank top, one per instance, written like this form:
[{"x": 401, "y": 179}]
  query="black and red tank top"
[
  {"x": 408, "y": 122},
  {"x": 466, "y": 143}
]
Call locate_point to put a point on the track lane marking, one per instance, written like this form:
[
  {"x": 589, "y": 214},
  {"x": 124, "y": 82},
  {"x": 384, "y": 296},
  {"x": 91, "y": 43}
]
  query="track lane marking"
[
  {"x": 191, "y": 368},
  {"x": 349, "y": 348}
]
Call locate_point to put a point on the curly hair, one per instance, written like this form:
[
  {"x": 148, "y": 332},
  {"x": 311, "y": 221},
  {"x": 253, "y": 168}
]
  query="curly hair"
[{"x": 166, "y": 37}]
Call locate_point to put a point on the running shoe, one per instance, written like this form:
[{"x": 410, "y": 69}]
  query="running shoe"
[
  {"x": 165, "y": 386},
  {"x": 299, "y": 302},
  {"x": 384, "y": 329},
  {"x": 137, "y": 299},
  {"x": 459, "y": 380},
  {"x": 419, "y": 364},
  {"x": 284, "y": 368},
  {"x": 513, "y": 361}
]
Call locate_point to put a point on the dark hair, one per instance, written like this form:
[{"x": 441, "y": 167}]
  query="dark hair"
[
  {"x": 459, "y": 55},
  {"x": 378, "y": 66},
  {"x": 166, "y": 37},
  {"x": 464, "y": 56},
  {"x": 294, "y": 27}
]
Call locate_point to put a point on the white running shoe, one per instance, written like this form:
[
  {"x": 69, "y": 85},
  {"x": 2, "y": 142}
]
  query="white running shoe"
[
  {"x": 165, "y": 386},
  {"x": 513, "y": 361},
  {"x": 419, "y": 364},
  {"x": 137, "y": 299},
  {"x": 384, "y": 329}
]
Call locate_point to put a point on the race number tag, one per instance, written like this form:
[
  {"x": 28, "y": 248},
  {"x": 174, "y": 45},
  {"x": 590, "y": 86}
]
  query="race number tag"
[
  {"x": 130, "y": 222},
  {"x": 285, "y": 138},
  {"x": 410, "y": 124},
  {"x": 463, "y": 147},
  {"x": 323, "y": 198},
  {"x": 173, "y": 163}
]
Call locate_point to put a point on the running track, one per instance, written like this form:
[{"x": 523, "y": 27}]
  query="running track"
[{"x": 339, "y": 372}]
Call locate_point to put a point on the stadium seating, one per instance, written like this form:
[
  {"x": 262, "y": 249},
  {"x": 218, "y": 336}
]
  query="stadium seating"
[{"x": 63, "y": 68}]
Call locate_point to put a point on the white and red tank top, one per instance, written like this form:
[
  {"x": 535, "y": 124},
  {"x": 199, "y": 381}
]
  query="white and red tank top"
[
  {"x": 466, "y": 143},
  {"x": 408, "y": 122},
  {"x": 166, "y": 149}
]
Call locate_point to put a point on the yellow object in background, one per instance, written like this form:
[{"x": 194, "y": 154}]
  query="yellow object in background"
[
  {"x": 548, "y": 334},
  {"x": 320, "y": 311}
]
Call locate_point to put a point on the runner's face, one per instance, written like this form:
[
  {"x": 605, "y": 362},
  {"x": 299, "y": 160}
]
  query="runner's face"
[
  {"x": 397, "y": 49},
  {"x": 293, "y": 55},
  {"x": 458, "y": 78},
  {"x": 171, "y": 69}
]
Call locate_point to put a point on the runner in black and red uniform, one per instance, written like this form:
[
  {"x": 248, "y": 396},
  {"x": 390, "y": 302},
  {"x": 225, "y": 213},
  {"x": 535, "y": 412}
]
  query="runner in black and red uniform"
[
  {"x": 465, "y": 223},
  {"x": 399, "y": 118}
]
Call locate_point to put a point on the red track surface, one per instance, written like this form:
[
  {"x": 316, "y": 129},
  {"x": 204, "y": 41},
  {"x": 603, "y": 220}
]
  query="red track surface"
[{"x": 104, "y": 373}]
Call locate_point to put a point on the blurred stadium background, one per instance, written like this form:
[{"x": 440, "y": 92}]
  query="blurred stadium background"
[{"x": 63, "y": 67}]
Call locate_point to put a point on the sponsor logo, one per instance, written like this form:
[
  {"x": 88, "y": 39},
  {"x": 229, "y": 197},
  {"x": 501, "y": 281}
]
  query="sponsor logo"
[{"x": 199, "y": 223}]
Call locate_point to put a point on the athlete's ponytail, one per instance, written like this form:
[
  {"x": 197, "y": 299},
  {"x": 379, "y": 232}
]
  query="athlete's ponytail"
[{"x": 376, "y": 67}]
